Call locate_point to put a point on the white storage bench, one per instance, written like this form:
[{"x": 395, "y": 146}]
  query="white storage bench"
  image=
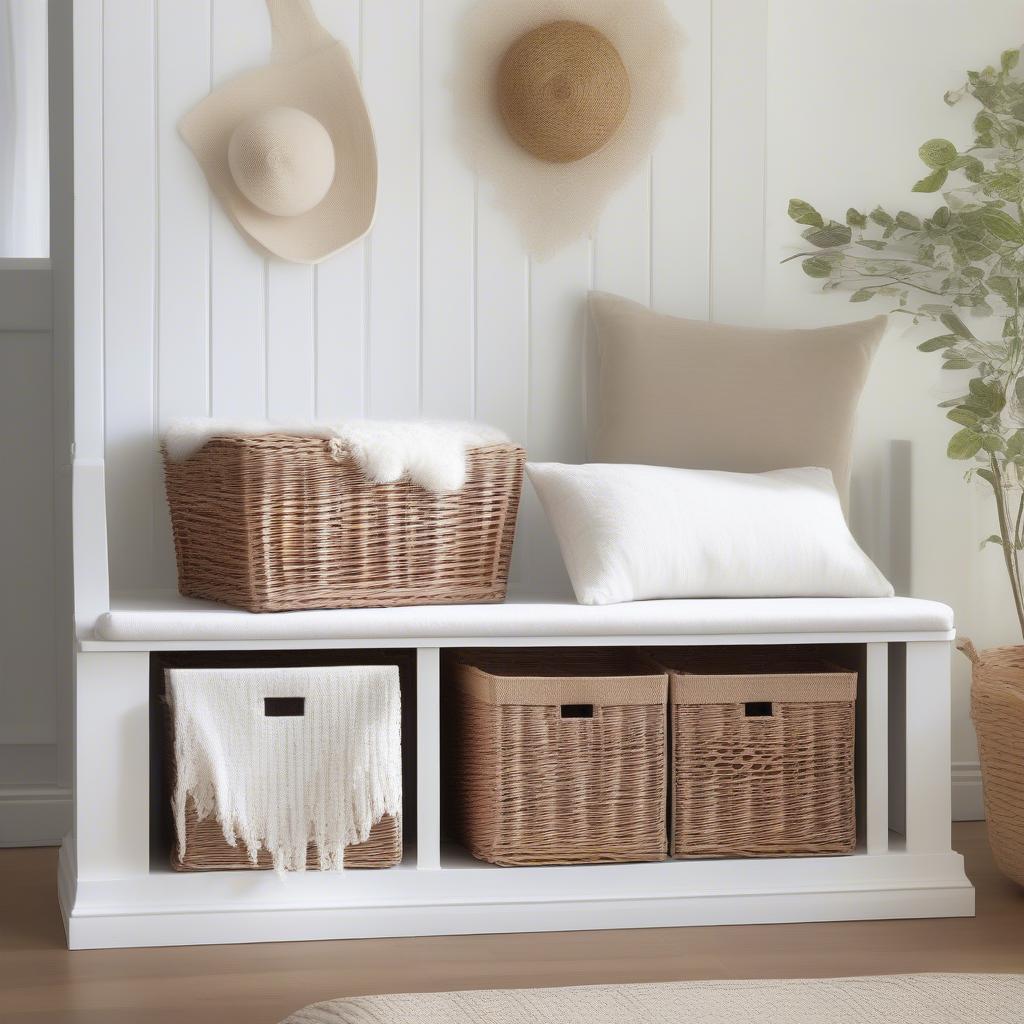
[{"x": 116, "y": 888}]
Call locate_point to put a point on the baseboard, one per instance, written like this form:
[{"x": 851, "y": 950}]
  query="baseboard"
[
  {"x": 34, "y": 815},
  {"x": 968, "y": 802}
]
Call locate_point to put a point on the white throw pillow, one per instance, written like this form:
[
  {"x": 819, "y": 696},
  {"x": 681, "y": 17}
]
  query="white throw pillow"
[{"x": 630, "y": 533}]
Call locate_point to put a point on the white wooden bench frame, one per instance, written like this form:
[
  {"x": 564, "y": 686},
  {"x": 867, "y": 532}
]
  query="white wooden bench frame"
[{"x": 112, "y": 892}]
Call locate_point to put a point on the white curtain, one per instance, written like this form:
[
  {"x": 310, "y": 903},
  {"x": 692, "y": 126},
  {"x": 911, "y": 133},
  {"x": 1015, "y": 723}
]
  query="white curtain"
[{"x": 24, "y": 131}]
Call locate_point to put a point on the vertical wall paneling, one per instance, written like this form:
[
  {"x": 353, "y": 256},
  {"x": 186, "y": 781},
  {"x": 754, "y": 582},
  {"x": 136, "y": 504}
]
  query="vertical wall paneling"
[
  {"x": 238, "y": 321},
  {"x": 183, "y": 260},
  {"x": 340, "y": 282},
  {"x": 501, "y": 320},
  {"x": 555, "y": 431},
  {"x": 681, "y": 178},
  {"x": 89, "y": 212},
  {"x": 290, "y": 341},
  {"x": 739, "y": 34},
  {"x": 622, "y": 241},
  {"x": 183, "y": 254},
  {"x": 62, "y": 253},
  {"x": 27, "y": 660},
  {"x": 448, "y": 226},
  {"x": 130, "y": 235},
  {"x": 391, "y": 62}
]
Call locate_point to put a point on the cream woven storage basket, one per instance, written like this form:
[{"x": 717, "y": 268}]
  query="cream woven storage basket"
[
  {"x": 556, "y": 757},
  {"x": 762, "y": 753},
  {"x": 275, "y": 523}
]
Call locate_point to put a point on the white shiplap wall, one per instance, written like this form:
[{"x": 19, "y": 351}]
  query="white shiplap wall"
[{"x": 440, "y": 312}]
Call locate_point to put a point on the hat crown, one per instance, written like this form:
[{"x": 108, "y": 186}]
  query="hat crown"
[{"x": 282, "y": 160}]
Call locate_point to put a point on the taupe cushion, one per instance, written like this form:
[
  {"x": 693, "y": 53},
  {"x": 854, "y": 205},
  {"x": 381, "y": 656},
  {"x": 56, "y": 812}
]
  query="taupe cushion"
[{"x": 671, "y": 392}]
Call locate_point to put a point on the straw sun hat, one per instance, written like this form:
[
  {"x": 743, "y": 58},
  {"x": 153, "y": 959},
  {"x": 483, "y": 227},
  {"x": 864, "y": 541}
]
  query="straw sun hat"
[
  {"x": 559, "y": 102},
  {"x": 288, "y": 148},
  {"x": 563, "y": 91}
]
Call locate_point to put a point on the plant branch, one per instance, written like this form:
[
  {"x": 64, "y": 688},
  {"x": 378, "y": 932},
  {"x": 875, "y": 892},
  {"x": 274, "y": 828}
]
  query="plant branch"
[{"x": 1009, "y": 554}]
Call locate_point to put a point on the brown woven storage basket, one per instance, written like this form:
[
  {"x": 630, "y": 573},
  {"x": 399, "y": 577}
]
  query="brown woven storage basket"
[
  {"x": 997, "y": 708},
  {"x": 556, "y": 757},
  {"x": 762, "y": 754},
  {"x": 206, "y": 849},
  {"x": 275, "y": 523}
]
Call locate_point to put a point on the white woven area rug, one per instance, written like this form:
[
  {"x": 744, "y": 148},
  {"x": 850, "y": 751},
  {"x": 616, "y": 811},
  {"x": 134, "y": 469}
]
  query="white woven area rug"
[{"x": 890, "y": 999}]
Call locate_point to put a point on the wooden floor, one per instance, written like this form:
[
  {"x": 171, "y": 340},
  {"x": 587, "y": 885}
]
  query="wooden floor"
[{"x": 40, "y": 982}]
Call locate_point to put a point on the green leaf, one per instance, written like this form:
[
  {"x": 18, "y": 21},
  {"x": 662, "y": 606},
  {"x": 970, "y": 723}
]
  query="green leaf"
[
  {"x": 803, "y": 213},
  {"x": 985, "y": 396},
  {"x": 964, "y": 417},
  {"x": 934, "y": 344},
  {"x": 1003, "y": 226},
  {"x": 1015, "y": 444},
  {"x": 957, "y": 363},
  {"x": 1005, "y": 288},
  {"x": 856, "y": 219},
  {"x": 1018, "y": 389},
  {"x": 931, "y": 182},
  {"x": 956, "y": 325},
  {"x": 863, "y": 294},
  {"x": 991, "y": 443},
  {"x": 1009, "y": 59},
  {"x": 986, "y": 474},
  {"x": 829, "y": 236},
  {"x": 873, "y": 243},
  {"x": 972, "y": 167},
  {"x": 937, "y": 153},
  {"x": 941, "y": 216},
  {"x": 880, "y": 217},
  {"x": 908, "y": 221},
  {"x": 991, "y": 539},
  {"x": 817, "y": 267},
  {"x": 964, "y": 444},
  {"x": 1008, "y": 185}
]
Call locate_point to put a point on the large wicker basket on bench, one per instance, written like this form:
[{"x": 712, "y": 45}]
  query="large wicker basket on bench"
[{"x": 275, "y": 523}]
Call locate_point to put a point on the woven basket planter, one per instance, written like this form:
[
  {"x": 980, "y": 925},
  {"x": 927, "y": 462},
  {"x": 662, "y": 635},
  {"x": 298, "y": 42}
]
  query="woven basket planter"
[
  {"x": 557, "y": 757},
  {"x": 762, "y": 754},
  {"x": 275, "y": 523},
  {"x": 997, "y": 708}
]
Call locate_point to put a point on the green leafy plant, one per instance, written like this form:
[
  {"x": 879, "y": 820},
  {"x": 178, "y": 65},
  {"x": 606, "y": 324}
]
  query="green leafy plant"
[{"x": 966, "y": 260}]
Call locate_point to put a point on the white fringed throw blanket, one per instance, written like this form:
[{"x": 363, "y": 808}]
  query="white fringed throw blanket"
[
  {"x": 431, "y": 453},
  {"x": 325, "y": 776}
]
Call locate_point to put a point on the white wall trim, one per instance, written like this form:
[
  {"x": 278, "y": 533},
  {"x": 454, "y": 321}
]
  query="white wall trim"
[
  {"x": 34, "y": 815},
  {"x": 968, "y": 801}
]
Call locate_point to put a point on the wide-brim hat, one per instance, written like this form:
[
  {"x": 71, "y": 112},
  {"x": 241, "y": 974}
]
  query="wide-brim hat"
[
  {"x": 559, "y": 103},
  {"x": 268, "y": 135}
]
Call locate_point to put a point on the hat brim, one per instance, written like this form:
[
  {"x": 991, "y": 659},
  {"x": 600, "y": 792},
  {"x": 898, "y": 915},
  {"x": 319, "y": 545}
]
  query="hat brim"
[{"x": 324, "y": 85}]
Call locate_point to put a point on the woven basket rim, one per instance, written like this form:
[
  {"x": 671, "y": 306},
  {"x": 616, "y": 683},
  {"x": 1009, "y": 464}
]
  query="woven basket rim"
[{"x": 297, "y": 439}]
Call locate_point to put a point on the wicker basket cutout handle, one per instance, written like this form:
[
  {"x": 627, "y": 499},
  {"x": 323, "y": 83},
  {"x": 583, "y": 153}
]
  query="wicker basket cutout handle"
[
  {"x": 759, "y": 709},
  {"x": 284, "y": 707},
  {"x": 576, "y": 711}
]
